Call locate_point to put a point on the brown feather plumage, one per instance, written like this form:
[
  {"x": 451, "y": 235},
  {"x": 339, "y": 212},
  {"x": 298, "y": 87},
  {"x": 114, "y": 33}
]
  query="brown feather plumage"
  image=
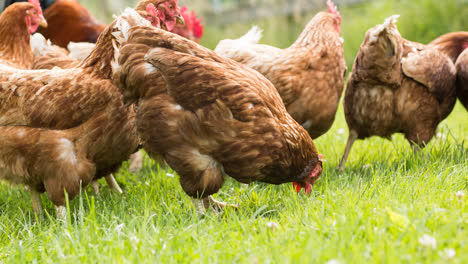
[
  {"x": 80, "y": 106},
  {"x": 462, "y": 78},
  {"x": 213, "y": 117},
  {"x": 75, "y": 113},
  {"x": 451, "y": 44},
  {"x": 309, "y": 75},
  {"x": 397, "y": 86}
]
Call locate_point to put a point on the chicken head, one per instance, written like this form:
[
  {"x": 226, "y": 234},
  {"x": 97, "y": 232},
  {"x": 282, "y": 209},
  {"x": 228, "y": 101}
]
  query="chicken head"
[
  {"x": 169, "y": 13},
  {"x": 333, "y": 10},
  {"x": 34, "y": 17},
  {"x": 153, "y": 15}
]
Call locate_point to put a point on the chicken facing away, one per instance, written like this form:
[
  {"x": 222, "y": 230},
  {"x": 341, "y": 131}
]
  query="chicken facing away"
[
  {"x": 75, "y": 119},
  {"x": 451, "y": 44},
  {"x": 455, "y": 45},
  {"x": 16, "y": 23},
  {"x": 397, "y": 86},
  {"x": 309, "y": 75},
  {"x": 208, "y": 116}
]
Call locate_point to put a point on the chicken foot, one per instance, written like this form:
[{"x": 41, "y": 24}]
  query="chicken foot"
[
  {"x": 113, "y": 185},
  {"x": 61, "y": 213},
  {"x": 37, "y": 206},
  {"x": 351, "y": 138},
  {"x": 204, "y": 204}
]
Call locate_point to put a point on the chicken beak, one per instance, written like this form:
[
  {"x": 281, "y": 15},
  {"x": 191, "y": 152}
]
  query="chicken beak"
[
  {"x": 180, "y": 19},
  {"x": 43, "y": 22}
]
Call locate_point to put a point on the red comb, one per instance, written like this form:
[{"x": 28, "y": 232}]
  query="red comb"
[
  {"x": 332, "y": 8},
  {"x": 197, "y": 26},
  {"x": 150, "y": 8}
]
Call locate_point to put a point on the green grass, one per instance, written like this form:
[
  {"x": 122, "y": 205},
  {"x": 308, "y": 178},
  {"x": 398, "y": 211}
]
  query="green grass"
[
  {"x": 375, "y": 211},
  {"x": 362, "y": 215}
]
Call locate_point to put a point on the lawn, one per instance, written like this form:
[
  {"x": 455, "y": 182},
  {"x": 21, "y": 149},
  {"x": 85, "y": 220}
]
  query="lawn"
[{"x": 390, "y": 205}]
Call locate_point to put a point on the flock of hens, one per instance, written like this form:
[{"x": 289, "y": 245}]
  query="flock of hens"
[{"x": 72, "y": 112}]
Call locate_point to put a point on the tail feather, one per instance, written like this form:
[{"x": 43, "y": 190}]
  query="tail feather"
[
  {"x": 253, "y": 36},
  {"x": 80, "y": 50}
]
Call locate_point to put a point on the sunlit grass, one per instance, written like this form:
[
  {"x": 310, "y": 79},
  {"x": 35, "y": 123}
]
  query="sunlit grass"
[{"x": 376, "y": 210}]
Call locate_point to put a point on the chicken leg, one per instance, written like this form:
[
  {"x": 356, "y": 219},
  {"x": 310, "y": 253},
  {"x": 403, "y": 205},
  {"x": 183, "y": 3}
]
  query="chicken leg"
[
  {"x": 61, "y": 213},
  {"x": 37, "y": 206},
  {"x": 113, "y": 185},
  {"x": 351, "y": 138}
]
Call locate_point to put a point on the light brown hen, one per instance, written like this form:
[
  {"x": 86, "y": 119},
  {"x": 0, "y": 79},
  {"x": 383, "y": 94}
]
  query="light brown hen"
[{"x": 309, "y": 75}]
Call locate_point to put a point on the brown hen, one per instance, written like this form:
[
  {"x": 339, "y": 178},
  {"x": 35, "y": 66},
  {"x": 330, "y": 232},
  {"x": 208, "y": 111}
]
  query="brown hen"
[
  {"x": 73, "y": 118},
  {"x": 397, "y": 86},
  {"x": 70, "y": 21},
  {"x": 309, "y": 75},
  {"x": 215, "y": 117}
]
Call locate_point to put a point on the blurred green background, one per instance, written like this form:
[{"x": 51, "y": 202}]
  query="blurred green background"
[{"x": 282, "y": 21}]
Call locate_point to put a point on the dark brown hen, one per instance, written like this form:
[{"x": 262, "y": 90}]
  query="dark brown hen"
[
  {"x": 209, "y": 117},
  {"x": 397, "y": 86}
]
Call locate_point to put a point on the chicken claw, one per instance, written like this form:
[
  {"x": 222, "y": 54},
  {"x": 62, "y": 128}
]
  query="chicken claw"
[
  {"x": 220, "y": 205},
  {"x": 113, "y": 183},
  {"x": 204, "y": 204}
]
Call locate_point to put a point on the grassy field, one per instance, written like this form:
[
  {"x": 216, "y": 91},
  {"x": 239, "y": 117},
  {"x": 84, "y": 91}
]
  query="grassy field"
[{"x": 388, "y": 206}]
